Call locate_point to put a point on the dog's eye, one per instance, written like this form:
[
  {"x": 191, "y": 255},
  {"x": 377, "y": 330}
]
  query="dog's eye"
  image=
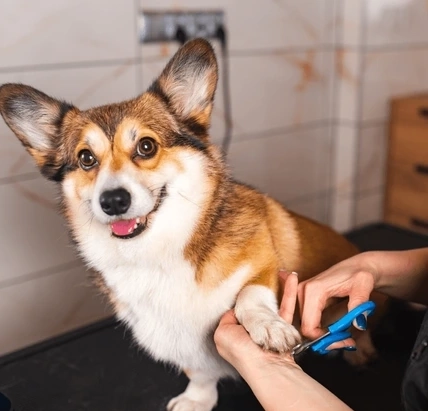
[
  {"x": 147, "y": 147},
  {"x": 87, "y": 159}
]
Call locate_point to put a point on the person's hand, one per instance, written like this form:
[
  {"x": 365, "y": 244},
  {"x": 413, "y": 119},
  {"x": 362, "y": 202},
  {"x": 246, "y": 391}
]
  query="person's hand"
[
  {"x": 275, "y": 379},
  {"x": 354, "y": 278},
  {"x": 234, "y": 343}
]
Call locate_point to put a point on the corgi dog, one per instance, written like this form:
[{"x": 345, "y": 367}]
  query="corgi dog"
[{"x": 153, "y": 209}]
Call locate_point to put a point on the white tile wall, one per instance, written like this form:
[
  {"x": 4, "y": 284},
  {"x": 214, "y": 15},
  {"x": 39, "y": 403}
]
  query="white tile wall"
[
  {"x": 259, "y": 25},
  {"x": 369, "y": 208},
  {"x": 88, "y": 58},
  {"x": 33, "y": 237},
  {"x": 344, "y": 160},
  {"x": 391, "y": 73},
  {"x": 47, "y": 306},
  {"x": 269, "y": 92},
  {"x": 346, "y": 145},
  {"x": 281, "y": 84},
  {"x": 342, "y": 212},
  {"x": 396, "y": 22},
  {"x": 279, "y": 90},
  {"x": 382, "y": 52},
  {"x": 287, "y": 166},
  {"x": 350, "y": 19},
  {"x": 64, "y": 31},
  {"x": 309, "y": 89},
  {"x": 373, "y": 146},
  {"x": 348, "y": 84},
  {"x": 315, "y": 207}
]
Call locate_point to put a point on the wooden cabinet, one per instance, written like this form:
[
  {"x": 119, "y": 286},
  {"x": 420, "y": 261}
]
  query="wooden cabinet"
[{"x": 406, "y": 195}]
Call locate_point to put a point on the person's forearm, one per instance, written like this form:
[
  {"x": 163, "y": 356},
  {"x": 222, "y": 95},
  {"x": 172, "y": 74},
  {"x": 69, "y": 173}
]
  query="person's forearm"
[
  {"x": 283, "y": 386},
  {"x": 401, "y": 274}
]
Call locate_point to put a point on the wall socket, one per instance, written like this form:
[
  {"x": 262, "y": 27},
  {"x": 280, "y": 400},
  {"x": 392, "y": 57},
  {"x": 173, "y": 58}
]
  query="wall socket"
[{"x": 161, "y": 26}]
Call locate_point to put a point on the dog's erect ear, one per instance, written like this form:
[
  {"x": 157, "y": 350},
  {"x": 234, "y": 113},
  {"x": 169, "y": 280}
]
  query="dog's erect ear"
[
  {"x": 36, "y": 120},
  {"x": 188, "y": 83}
]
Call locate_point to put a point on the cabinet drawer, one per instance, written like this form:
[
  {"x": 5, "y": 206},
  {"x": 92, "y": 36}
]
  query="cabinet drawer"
[
  {"x": 411, "y": 178},
  {"x": 408, "y": 202},
  {"x": 412, "y": 110},
  {"x": 409, "y": 144},
  {"x": 407, "y": 193}
]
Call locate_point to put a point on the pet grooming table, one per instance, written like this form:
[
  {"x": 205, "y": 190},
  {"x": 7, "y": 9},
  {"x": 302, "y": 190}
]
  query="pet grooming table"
[{"x": 99, "y": 368}]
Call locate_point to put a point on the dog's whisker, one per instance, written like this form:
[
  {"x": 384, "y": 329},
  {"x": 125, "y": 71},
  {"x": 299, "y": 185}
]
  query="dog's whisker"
[{"x": 190, "y": 201}]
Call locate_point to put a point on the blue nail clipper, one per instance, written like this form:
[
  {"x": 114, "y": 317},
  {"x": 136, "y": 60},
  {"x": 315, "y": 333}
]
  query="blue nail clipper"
[{"x": 338, "y": 331}]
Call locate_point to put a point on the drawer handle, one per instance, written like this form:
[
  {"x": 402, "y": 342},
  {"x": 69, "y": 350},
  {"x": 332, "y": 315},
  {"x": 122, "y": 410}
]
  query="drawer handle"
[
  {"x": 419, "y": 223},
  {"x": 423, "y": 112},
  {"x": 421, "y": 169}
]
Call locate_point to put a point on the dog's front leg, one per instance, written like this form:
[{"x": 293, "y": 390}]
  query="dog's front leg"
[
  {"x": 200, "y": 394},
  {"x": 257, "y": 310}
]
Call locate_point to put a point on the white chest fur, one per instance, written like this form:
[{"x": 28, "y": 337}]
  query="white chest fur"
[{"x": 171, "y": 316}]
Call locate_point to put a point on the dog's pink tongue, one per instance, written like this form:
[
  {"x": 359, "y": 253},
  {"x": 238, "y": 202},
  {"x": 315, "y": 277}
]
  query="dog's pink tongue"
[{"x": 123, "y": 227}]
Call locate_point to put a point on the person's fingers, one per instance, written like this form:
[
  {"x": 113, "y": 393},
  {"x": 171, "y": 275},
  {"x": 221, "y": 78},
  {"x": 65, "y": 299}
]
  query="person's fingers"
[
  {"x": 226, "y": 329},
  {"x": 301, "y": 298},
  {"x": 312, "y": 307},
  {"x": 316, "y": 297},
  {"x": 360, "y": 292},
  {"x": 349, "y": 342},
  {"x": 228, "y": 318},
  {"x": 288, "y": 303}
]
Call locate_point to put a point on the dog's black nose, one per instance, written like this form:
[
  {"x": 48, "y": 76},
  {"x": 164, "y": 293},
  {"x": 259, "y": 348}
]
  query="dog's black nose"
[{"x": 115, "y": 202}]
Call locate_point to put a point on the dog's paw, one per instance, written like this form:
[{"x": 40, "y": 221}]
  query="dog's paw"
[
  {"x": 184, "y": 403},
  {"x": 270, "y": 331}
]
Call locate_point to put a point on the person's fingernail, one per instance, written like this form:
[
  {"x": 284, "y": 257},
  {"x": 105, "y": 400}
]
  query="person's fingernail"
[
  {"x": 293, "y": 272},
  {"x": 361, "y": 322},
  {"x": 349, "y": 348}
]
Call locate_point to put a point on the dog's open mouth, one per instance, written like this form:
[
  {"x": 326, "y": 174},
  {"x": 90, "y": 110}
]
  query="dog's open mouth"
[{"x": 126, "y": 229}]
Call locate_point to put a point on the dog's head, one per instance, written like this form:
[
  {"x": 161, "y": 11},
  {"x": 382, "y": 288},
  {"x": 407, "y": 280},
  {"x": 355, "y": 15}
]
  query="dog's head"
[{"x": 118, "y": 163}]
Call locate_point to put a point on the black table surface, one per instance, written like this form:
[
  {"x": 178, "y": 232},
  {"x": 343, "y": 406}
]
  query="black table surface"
[{"x": 100, "y": 368}]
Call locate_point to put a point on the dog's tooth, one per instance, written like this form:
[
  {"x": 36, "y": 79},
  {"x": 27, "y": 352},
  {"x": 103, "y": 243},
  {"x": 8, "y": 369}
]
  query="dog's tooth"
[{"x": 138, "y": 221}]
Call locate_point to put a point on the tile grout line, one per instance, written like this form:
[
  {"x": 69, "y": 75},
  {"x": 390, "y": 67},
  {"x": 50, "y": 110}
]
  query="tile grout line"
[
  {"x": 338, "y": 39},
  {"x": 280, "y": 130},
  {"x": 139, "y": 62},
  {"x": 70, "y": 65},
  {"x": 360, "y": 97},
  {"x": 310, "y": 196},
  {"x": 233, "y": 53},
  {"x": 370, "y": 191},
  {"x": 324, "y": 214},
  {"x": 19, "y": 178},
  {"x": 387, "y": 48},
  {"x": 360, "y": 194},
  {"x": 10, "y": 282},
  {"x": 363, "y": 124}
]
